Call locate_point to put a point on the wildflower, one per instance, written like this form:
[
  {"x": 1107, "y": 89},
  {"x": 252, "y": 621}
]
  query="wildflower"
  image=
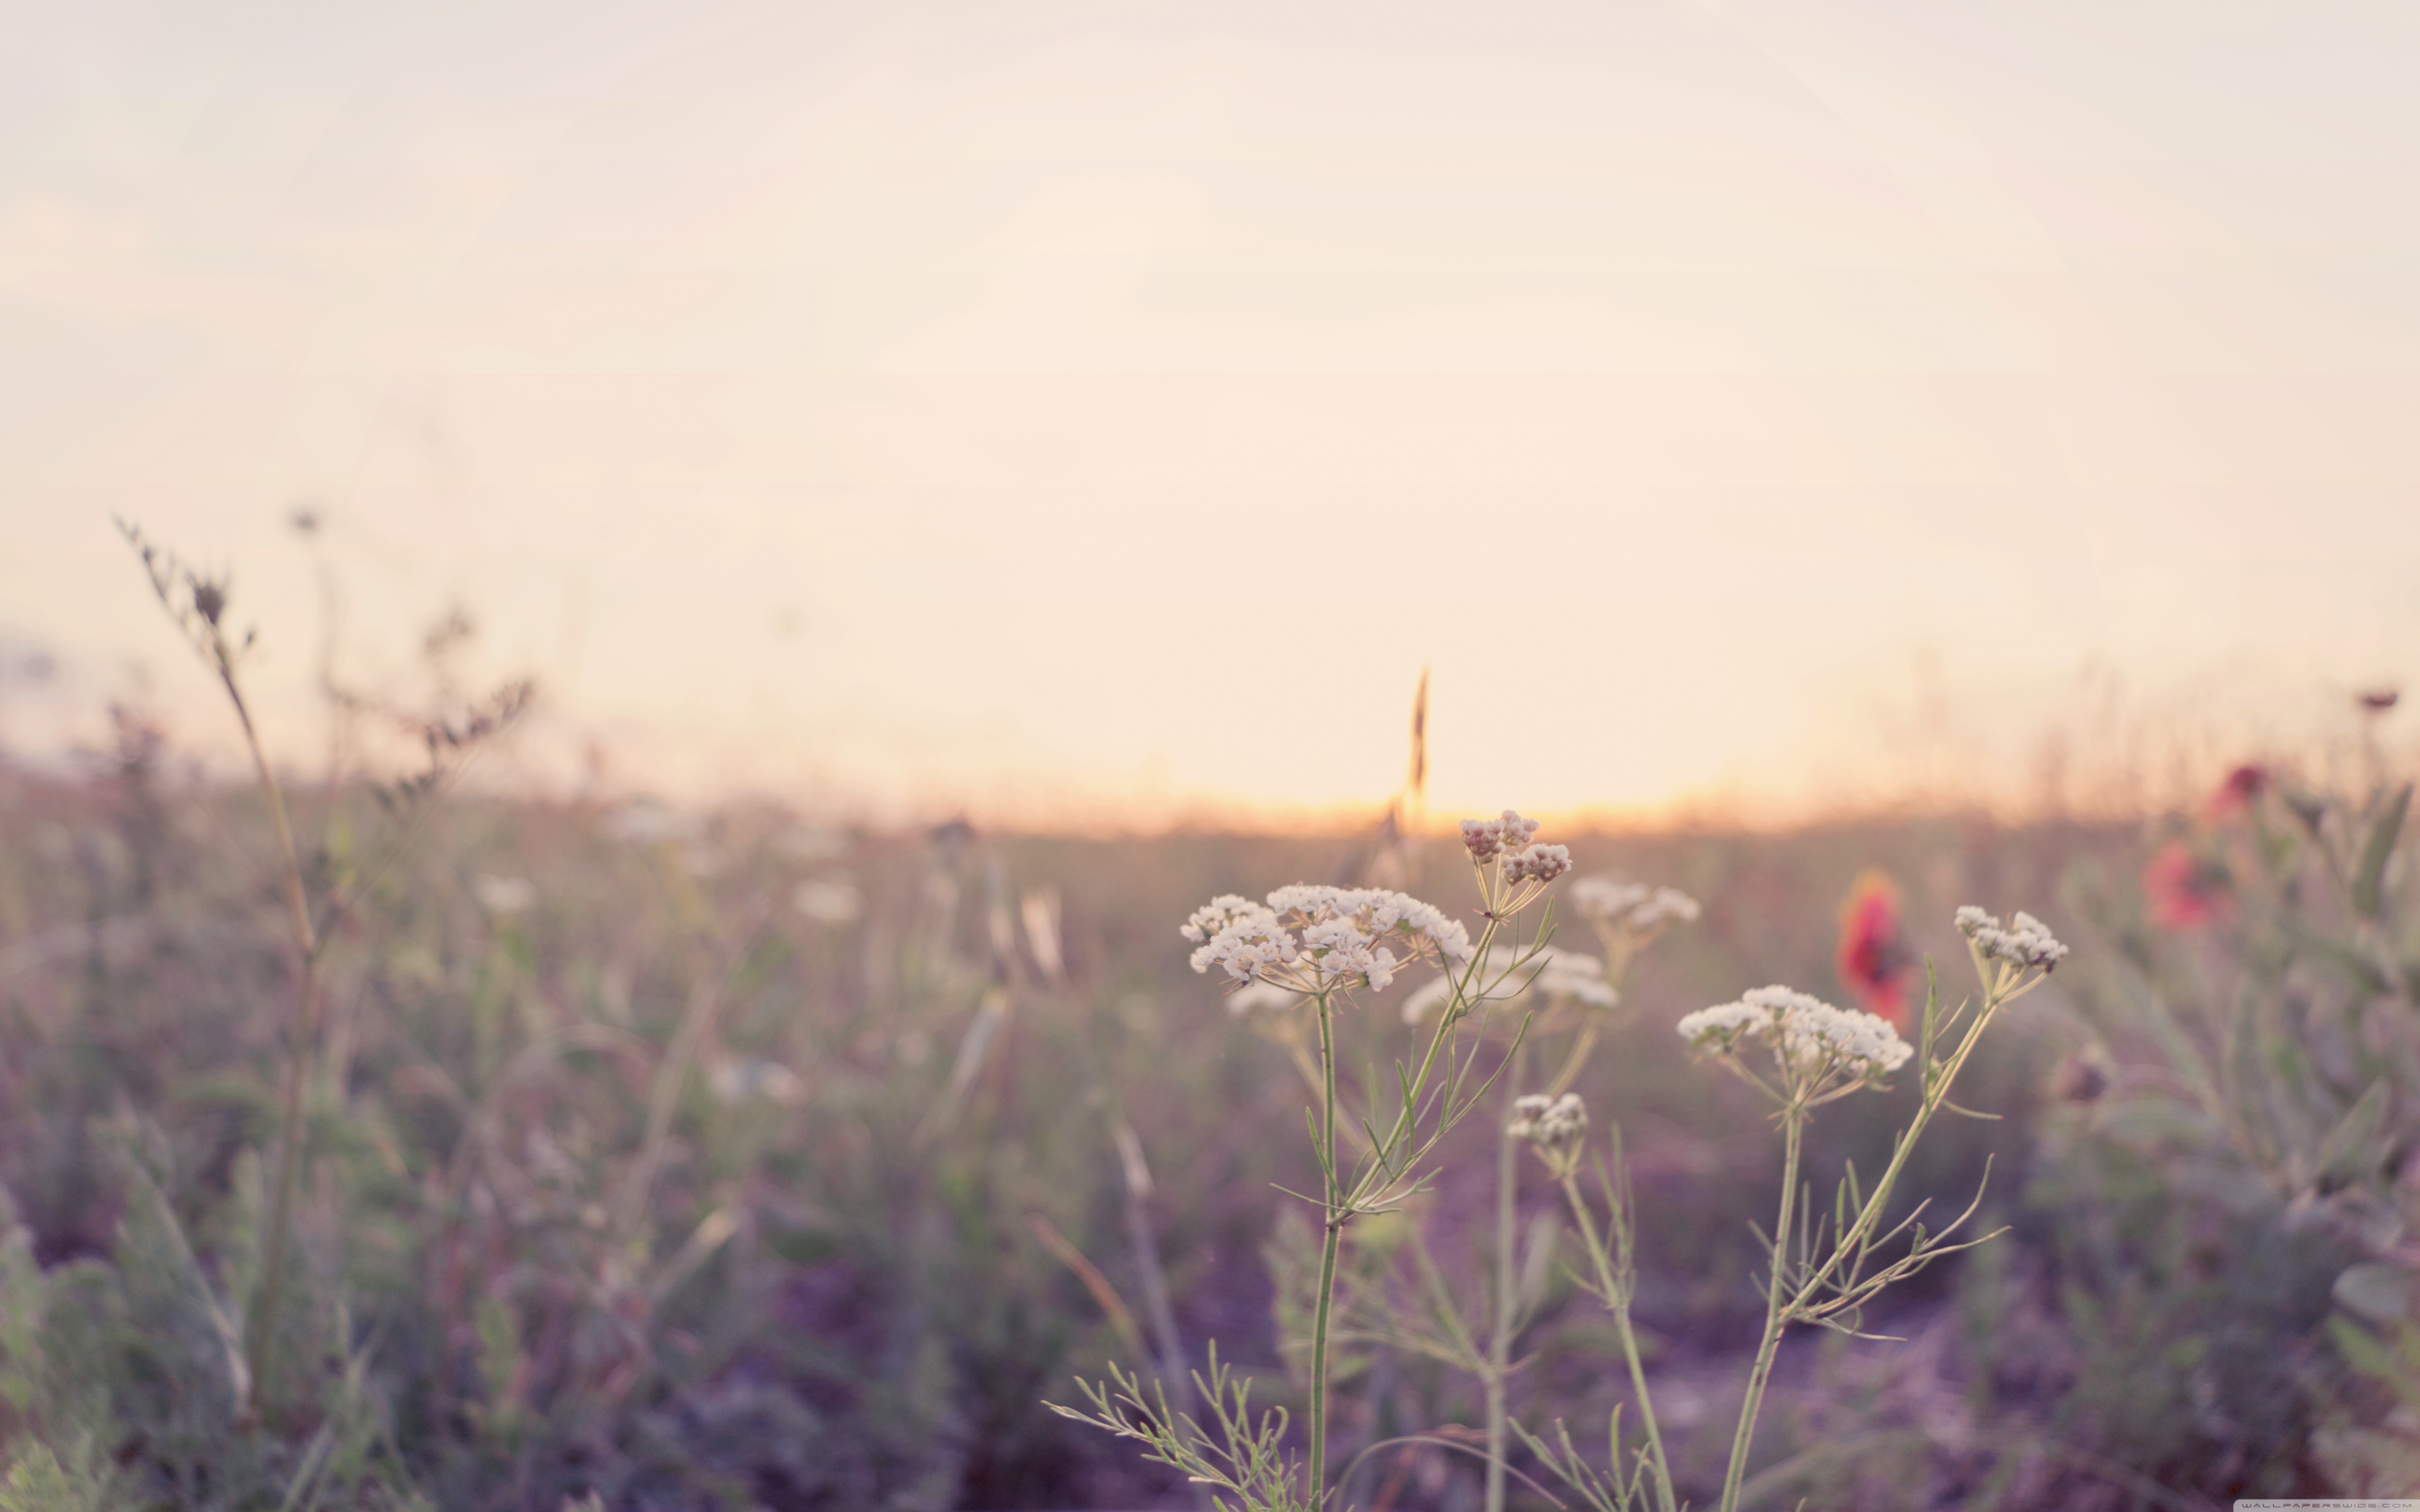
[
  {"x": 2237, "y": 794},
  {"x": 1513, "y": 868},
  {"x": 2023, "y": 944},
  {"x": 1632, "y": 905},
  {"x": 1489, "y": 838},
  {"x": 1820, "y": 1049},
  {"x": 2186, "y": 892},
  {"x": 1216, "y": 914},
  {"x": 1315, "y": 940},
  {"x": 1540, "y": 863},
  {"x": 1873, "y": 957},
  {"x": 1558, "y": 975},
  {"x": 1548, "y": 1120}
]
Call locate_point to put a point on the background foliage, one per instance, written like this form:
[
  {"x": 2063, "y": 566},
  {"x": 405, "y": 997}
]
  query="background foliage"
[{"x": 729, "y": 1161}]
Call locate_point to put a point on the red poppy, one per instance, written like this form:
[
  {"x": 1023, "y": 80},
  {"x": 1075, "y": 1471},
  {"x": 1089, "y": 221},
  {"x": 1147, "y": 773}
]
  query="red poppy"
[
  {"x": 2236, "y": 796},
  {"x": 1874, "y": 957},
  {"x": 2184, "y": 891}
]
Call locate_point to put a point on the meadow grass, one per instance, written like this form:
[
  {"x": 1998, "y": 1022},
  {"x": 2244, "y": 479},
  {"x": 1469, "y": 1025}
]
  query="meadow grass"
[{"x": 577, "y": 1152}]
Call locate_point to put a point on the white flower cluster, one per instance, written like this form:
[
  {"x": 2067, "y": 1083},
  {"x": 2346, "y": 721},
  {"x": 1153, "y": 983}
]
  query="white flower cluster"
[
  {"x": 1548, "y": 1120},
  {"x": 2027, "y": 942},
  {"x": 1811, "y": 1038},
  {"x": 1315, "y": 939},
  {"x": 1634, "y": 905},
  {"x": 1558, "y": 975},
  {"x": 1489, "y": 837},
  {"x": 1538, "y": 863}
]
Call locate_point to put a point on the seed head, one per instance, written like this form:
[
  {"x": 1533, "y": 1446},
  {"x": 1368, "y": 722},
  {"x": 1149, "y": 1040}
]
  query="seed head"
[{"x": 210, "y": 598}]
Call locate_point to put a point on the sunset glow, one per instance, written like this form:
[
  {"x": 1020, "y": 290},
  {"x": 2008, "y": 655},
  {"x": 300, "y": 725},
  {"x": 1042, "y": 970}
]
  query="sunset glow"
[{"x": 1091, "y": 413}]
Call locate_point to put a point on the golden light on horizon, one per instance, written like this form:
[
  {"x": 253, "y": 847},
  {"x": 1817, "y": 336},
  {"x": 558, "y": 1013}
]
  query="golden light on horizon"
[{"x": 1063, "y": 411}]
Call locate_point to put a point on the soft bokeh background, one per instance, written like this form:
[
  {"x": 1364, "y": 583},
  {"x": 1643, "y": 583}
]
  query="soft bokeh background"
[{"x": 913, "y": 406}]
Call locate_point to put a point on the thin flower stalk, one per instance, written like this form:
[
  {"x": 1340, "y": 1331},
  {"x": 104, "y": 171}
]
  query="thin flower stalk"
[
  {"x": 1818, "y": 1053},
  {"x": 1321, "y": 944},
  {"x": 1614, "y": 1272},
  {"x": 1821, "y": 1054},
  {"x": 1626, "y": 917},
  {"x": 198, "y": 606}
]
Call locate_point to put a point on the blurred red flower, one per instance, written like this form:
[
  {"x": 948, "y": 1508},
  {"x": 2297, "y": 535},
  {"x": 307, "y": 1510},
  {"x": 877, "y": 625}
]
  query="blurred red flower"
[
  {"x": 2185, "y": 892},
  {"x": 1874, "y": 957},
  {"x": 2236, "y": 796}
]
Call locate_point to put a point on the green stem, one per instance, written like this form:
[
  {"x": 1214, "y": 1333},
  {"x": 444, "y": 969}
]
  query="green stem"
[
  {"x": 1775, "y": 1317},
  {"x": 1334, "y": 1216},
  {"x": 1936, "y": 1091},
  {"x": 260, "y": 1327},
  {"x": 1618, "y": 1300},
  {"x": 1402, "y": 1128},
  {"x": 1507, "y": 1284}
]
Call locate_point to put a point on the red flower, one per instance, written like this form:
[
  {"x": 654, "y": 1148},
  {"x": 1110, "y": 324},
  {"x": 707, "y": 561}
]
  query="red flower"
[
  {"x": 2184, "y": 891},
  {"x": 2236, "y": 796},
  {"x": 1874, "y": 957}
]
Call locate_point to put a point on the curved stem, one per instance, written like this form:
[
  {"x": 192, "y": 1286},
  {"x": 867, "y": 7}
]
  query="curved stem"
[
  {"x": 261, "y": 1325},
  {"x": 1775, "y": 1317},
  {"x": 1618, "y": 1300}
]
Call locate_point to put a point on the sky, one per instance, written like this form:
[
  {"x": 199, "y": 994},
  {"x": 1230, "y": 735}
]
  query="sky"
[{"x": 1102, "y": 414}]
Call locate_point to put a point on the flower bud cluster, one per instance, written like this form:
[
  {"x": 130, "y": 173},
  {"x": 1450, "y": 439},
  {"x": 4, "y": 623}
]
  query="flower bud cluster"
[
  {"x": 1538, "y": 863},
  {"x": 1814, "y": 1043},
  {"x": 2023, "y": 944},
  {"x": 1489, "y": 838},
  {"x": 1558, "y": 975},
  {"x": 1311, "y": 939},
  {"x": 1548, "y": 1120},
  {"x": 1632, "y": 905}
]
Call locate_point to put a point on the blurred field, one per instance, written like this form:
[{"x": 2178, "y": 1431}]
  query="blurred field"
[{"x": 728, "y": 1160}]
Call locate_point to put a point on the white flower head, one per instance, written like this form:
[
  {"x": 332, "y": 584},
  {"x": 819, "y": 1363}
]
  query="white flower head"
[
  {"x": 1217, "y": 915},
  {"x": 1548, "y": 1120},
  {"x": 1816, "y": 1045},
  {"x": 1314, "y": 940},
  {"x": 1538, "y": 863},
  {"x": 2023, "y": 944},
  {"x": 1489, "y": 837}
]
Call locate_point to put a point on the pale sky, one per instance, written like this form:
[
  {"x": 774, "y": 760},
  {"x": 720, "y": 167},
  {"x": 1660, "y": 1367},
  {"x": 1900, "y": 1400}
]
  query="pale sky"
[{"x": 1107, "y": 409}]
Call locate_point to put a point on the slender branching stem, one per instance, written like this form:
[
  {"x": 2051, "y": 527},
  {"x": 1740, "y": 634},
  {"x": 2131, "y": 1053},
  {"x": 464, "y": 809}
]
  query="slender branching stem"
[
  {"x": 1617, "y": 1297},
  {"x": 260, "y": 1326},
  {"x": 1508, "y": 1286},
  {"x": 1776, "y": 1315},
  {"x": 1316, "y": 1469}
]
